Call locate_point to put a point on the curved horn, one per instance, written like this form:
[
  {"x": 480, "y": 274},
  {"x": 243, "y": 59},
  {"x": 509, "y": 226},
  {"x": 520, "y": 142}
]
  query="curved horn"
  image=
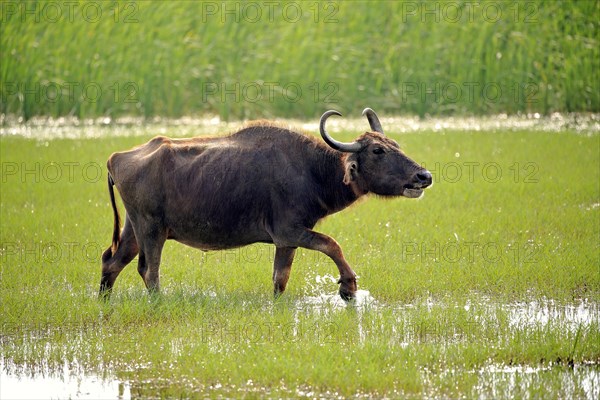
[
  {"x": 373, "y": 120},
  {"x": 345, "y": 147}
]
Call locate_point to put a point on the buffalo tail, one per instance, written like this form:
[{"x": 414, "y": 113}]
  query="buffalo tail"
[{"x": 116, "y": 239}]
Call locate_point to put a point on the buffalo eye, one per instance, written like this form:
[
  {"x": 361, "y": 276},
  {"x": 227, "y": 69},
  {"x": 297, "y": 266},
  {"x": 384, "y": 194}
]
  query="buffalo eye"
[{"x": 378, "y": 150}]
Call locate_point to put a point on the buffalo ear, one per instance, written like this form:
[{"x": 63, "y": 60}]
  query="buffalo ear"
[{"x": 351, "y": 172}]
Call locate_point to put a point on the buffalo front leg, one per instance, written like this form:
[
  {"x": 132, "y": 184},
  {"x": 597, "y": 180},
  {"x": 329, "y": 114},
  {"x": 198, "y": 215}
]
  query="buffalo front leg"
[
  {"x": 284, "y": 256},
  {"x": 327, "y": 245},
  {"x": 113, "y": 264}
]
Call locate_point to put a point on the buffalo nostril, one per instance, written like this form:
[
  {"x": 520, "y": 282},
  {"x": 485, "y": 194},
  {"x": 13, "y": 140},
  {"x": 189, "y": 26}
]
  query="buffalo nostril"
[{"x": 424, "y": 177}]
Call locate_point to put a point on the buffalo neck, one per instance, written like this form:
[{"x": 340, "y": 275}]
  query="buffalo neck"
[{"x": 335, "y": 193}]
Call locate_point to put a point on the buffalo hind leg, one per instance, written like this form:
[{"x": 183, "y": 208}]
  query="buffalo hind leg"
[
  {"x": 149, "y": 260},
  {"x": 284, "y": 256},
  {"x": 113, "y": 264},
  {"x": 328, "y": 246}
]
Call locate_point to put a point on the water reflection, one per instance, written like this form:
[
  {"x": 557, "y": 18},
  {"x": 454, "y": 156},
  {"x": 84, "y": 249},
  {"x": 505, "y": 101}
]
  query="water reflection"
[
  {"x": 363, "y": 299},
  {"x": 450, "y": 322},
  {"x": 491, "y": 382},
  {"x": 503, "y": 382},
  {"x": 23, "y": 382}
]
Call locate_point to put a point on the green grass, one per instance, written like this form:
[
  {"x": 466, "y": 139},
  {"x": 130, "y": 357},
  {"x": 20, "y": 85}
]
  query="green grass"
[
  {"x": 194, "y": 58},
  {"x": 448, "y": 274}
]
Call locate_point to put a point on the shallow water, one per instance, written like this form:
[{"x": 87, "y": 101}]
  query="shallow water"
[
  {"x": 504, "y": 382},
  {"x": 363, "y": 299},
  {"x": 23, "y": 382},
  {"x": 535, "y": 313},
  {"x": 72, "y": 380},
  {"x": 570, "y": 316},
  {"x": 492, "y": 382},
  {"x": 419, "y": 323}
]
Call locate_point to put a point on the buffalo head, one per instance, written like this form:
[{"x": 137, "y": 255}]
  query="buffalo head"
[{"x": 376, "y": 164}]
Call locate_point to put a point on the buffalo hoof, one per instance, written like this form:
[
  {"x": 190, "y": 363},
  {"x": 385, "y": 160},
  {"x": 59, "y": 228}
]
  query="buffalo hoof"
[
  {"x": 347, "y": 296},
  {"x": 104, "y": 292},
  {"x": 347, "y": 288},
  {"x": 104, "y": 296}
]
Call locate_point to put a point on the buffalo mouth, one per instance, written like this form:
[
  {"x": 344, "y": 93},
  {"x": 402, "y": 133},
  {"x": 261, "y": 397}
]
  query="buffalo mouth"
[{"x": 411, "y": 192}]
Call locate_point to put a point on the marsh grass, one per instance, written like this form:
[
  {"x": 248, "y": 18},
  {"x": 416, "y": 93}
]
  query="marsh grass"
[
  {"x": 438, "y": 320},
  {"x": 186, "y": 58}
]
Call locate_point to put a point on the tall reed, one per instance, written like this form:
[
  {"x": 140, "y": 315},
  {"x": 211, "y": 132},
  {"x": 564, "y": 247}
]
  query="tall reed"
[{"x": 296, "y": 59}]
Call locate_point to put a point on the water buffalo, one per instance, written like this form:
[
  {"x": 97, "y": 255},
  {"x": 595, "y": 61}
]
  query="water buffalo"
[{"x": 264, "y": 183}]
